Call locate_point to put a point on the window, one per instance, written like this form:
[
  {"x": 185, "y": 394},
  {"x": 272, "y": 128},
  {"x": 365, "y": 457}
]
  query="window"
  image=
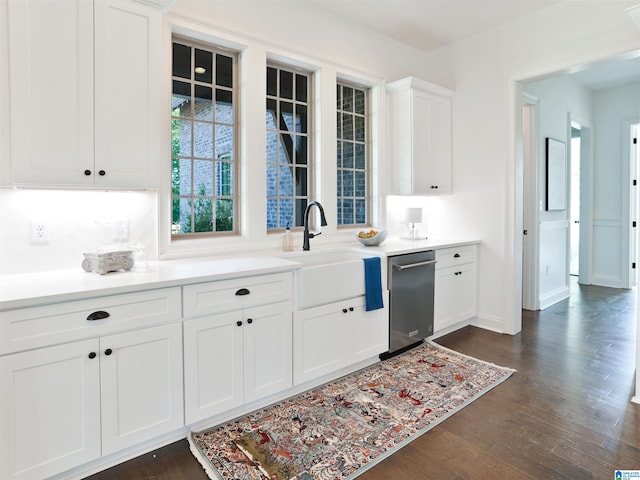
[
  {"x": 352, "y": 155},
  {"x": 203, "y": 141},
  {"x": 287, "y": 147}
]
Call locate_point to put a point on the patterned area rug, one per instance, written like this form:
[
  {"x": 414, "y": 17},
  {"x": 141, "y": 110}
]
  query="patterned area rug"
[{"x": 342, "y": 428}]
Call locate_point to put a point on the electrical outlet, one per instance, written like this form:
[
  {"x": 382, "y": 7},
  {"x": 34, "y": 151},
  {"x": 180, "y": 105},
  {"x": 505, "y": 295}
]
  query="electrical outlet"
[{"x": 40, "y": 232}]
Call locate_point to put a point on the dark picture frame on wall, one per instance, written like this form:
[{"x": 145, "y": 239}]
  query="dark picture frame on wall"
[{"x": 556, "y": 153}]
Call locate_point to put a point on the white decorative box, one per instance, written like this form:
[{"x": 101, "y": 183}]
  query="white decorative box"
[{"x": 108, "y": 261}]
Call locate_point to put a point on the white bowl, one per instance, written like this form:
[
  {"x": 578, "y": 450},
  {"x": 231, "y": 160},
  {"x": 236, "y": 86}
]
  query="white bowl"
[{"x": 377, "y": 239}]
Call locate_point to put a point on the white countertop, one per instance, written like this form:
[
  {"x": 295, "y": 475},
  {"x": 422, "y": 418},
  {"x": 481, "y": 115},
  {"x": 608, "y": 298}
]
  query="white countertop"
[
  {"x": 399, "y": 246},
  {"x": 30, "y": 289},
  {"x": 23, "y": 290}
]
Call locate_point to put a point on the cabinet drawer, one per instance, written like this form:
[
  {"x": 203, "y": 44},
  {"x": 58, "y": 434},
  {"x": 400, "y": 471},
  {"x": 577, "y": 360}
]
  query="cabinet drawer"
[
  {"x": 447, "y": 257},
  {"x": 236, "y": 294},
  {"x": 35, "y": 327}
]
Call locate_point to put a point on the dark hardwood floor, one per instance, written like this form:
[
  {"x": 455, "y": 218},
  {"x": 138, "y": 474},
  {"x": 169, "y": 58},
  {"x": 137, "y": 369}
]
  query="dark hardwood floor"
[{"x": 565, "y": 413}]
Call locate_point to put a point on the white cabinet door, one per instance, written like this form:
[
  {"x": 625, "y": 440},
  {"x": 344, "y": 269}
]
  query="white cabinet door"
[
  {"x": 213, "y": 365},
  {"x": 455, "y": 295},
  {"x": 51, "y": 91},
  {"x": 319, "y": 341},
  {"x": 141, "y": 385},
  {"x": 369, "y": 332},
  {"x": 49, "y": 410},
  {"x": 335, "y": 336},
  {"x": 267, "y": 350},
  {"x": 420, "y": 133},
  {"x": 128, "y": 118},
  {"x": 66, "y": 57},
  {"x": 431, "y": 143},
  {"x": 236, "y": 357}
]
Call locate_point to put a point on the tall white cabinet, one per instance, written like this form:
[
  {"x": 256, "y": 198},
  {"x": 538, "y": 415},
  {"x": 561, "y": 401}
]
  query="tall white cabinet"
[
  {"x": 420, "y": 137},
  {"x": 82, "y": 93}
]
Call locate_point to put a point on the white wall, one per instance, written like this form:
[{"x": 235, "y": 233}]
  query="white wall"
[
  {"x": 302, "y": 33},
  {"x": 558, "y": 97},
  {"x": 613, "y": 109},
  {"x": 483, "y": 70},
  {"x": 79, "y": 221}
]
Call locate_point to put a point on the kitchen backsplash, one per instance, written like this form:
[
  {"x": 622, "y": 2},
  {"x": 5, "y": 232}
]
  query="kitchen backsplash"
[{"x": 77, "y": 222}]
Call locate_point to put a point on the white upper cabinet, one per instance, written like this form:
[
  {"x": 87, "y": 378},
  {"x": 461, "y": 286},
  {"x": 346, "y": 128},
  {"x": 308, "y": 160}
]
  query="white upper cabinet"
[
  {"x": 420, "y": 137},
  {"x": 83, "y": 92},
  {"x": 51, "y": 91}
]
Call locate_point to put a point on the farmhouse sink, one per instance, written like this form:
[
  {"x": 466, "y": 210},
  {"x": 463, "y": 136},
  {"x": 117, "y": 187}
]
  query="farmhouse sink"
[{"x": 327, "y": 277}]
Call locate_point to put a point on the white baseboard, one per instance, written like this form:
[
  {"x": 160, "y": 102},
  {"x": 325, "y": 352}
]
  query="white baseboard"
[
  {"x": 487, "y": 322},
  {"x": 554, "y": 296}
]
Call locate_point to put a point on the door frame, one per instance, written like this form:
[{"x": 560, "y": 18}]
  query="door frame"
[{"x": 629, "y": 199}]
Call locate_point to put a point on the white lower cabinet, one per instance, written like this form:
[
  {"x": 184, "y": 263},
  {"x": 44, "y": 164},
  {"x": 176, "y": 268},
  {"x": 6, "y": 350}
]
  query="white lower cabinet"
[
  {"x": 236, "y": 357},
  {"x": 455, "y": 286},
  {"x": 140, "y": 385},
  {"x": 66, "y": 405},
  {"x": 334, "y": 336}
]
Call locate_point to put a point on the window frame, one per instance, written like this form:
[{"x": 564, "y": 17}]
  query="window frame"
[{"x": 235, "y": 196}]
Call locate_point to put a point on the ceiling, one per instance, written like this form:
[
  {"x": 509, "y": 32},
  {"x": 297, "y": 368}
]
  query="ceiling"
[{"x": 429, "y": 24}]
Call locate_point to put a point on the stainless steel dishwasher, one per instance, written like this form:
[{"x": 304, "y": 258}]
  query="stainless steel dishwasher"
[{"x": 411, "y": 279}]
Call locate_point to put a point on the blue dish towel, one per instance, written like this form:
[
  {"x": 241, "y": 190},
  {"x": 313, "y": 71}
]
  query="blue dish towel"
[{"x": 372, "y": 284}]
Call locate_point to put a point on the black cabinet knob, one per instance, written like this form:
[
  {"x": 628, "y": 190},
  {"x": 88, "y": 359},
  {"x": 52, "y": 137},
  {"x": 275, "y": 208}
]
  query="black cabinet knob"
[
  {"x": 249, "y": 321},
  {"x": 92, "y": 355},
  {"x": 102, "y": 173},
  {"x": 239, "y": 323},
  {"x": 344, "y": 310},
  {"x": 87, "y": 172},
  {"x": 351, "y": 309},
  {"x": 108, "y": 352}
]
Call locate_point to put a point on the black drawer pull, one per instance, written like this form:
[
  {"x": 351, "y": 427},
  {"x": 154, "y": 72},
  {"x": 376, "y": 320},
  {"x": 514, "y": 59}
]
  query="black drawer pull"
[
  {"x": 99, "y": 315},
  {"x": 457, "y": 255},
  {"x": 243, "y": 291},
  {"x": 108, "y": 352}
]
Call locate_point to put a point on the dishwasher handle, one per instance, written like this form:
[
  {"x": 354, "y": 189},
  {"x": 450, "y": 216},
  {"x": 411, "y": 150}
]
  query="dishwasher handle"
[{"x": 412, "y": 265}]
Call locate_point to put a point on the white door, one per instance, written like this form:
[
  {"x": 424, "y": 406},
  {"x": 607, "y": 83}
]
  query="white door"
[
  {"x": 213, "y": 365},
  {"x": 633, "y": 207},
  {"x": 268, "y": 357},
  {"x": 574, "y": 205},
  {"x": 49, "y": 410},
  {"x": 141, "y": 385}
]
